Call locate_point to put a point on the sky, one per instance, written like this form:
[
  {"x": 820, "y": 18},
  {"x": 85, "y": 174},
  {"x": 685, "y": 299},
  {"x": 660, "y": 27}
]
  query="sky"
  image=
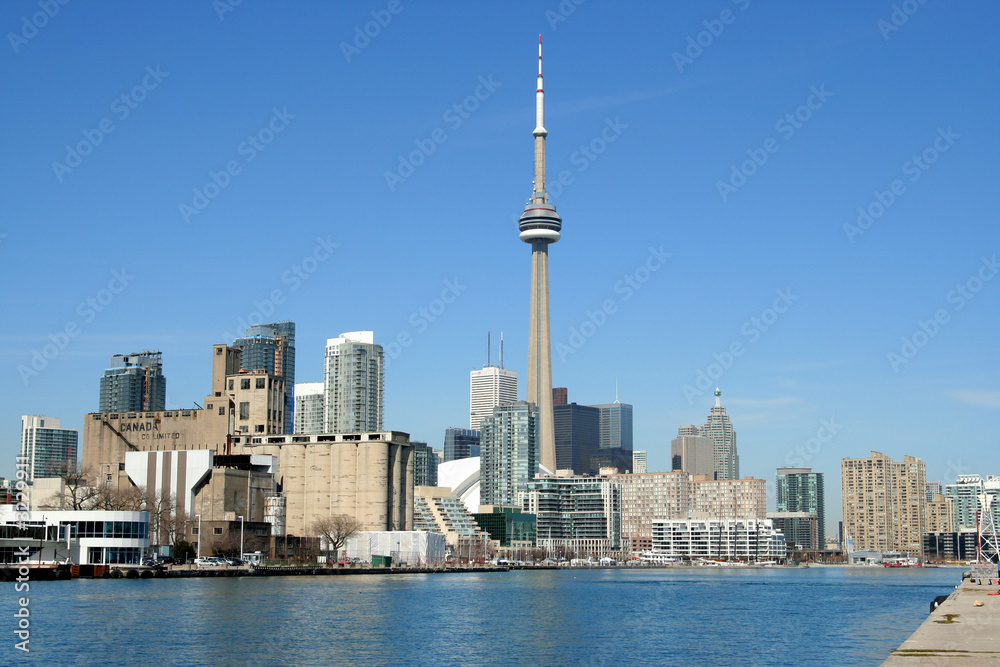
[{"x": 795, "y": 202}]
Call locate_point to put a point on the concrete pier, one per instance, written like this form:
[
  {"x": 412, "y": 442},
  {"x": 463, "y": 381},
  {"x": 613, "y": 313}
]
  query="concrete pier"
[{"x": 959, "y": 632}]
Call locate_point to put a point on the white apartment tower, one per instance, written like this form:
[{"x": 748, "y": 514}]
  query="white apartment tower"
[
  {"x": 488, "y": 388},
  {"x": 354, "y": 383},
  {"x": 310, "y": 402}
]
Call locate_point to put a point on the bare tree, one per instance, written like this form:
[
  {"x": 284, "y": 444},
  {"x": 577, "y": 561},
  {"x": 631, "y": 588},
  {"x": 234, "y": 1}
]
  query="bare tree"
[
  {"x": 335, "y": 531},
  {"x": 121, "y": 499},
  {"x": 78, "y": 491}
]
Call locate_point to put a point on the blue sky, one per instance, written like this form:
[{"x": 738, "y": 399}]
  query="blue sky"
[{"x": 273, "y": 158}]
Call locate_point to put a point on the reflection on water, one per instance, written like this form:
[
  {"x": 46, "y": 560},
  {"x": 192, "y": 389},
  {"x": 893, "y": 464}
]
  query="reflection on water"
[{"x": 692, "y": 616}]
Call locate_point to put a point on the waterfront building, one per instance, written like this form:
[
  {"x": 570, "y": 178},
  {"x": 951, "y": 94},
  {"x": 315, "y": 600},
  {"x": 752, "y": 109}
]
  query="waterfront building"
[
  {"x": 509, "y": 453},
  {"x": 577, "y": 436},
  {"x": 649, "y": 496},
  {"x": 462, "y": 476},
  {"x": 354, "y": 383},
  {"x": 970, "y": 494},
  {"x": 368, "y": 476},
  {"x": 461, "y": 443},
  {"x": 47, "y": 449},
  {"x": 436, "y": 510},
  {"x": 91, "y": 537},
  {"x": 422, "y": 548},
  {"x": 801, "y": 529},
  {"x": 271, "y": 348},
  {"x": 884, "y": 503},
  {"x": 310, "y": 403},
  {"x": 539, "y": 226},
  {"x": 616, "y": 425},
  {"x": 720, "y": 429},
  {"x": 639, "y": 460},
  {"x": 693, "y": 454},
  {"x": 425, "y": 464},
  {"x": 941, "y": 515},
  {"x": 954, "y": 546},
  {"x": 134, "y": 382},
  {"x": 726, "y": 539},
  {"x": 729, "y": 498},
  {"x": 802, "y": 490},
  {"x": 576, "y": 516},
  {"x": 489, "y": 387},
  {"x": 508, "y": 527}
]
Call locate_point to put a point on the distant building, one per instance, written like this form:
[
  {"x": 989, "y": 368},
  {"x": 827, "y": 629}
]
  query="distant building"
[
  {"x": 616, "y": 425},
  {"x": 727, "y": 539},
  {"x": 488, "y": 388},
  {"x": 693, "y": 454},
  {"x": 951, "y": 546},
  {"x": 310, "y": 400},
  {"x": 508, "y": 527},
  {"x": 649, "y": 496},
  {"x": 259, "y": 399},
  {"x": 639, "y": 460},
  {"x": 92, "y": 537},
  {"x": 802, "y": 490},
  {"x": 576, "y": 516},
  {"x": 577, "y": 433},
  {"x": 941, "y": 515},
  {"x": 354, "y": 383},
  {"x": 271, "y": 348},
  {"x": 46, "y": 448},
  {"x": 436, "y": 510},
  {"x": 134, "y": 383},
  {"x": 720, "y": 429},
  {"x": 968, "y": 493},
  {"x": 932, "y": 489},
  {"x": 425, "y": 464},
  {"x": 509, "y": 453},
  {"x": 559, "y": 396},
  {"x": 611, "y": 457},
  {"x": 460, "y": 443},
  {"x": 884, "y": 503},
  {"x": 729, "y": 498}
]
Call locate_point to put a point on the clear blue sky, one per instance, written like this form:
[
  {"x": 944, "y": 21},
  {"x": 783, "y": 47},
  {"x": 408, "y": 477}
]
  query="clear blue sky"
[{"x": 831, "y": 104}]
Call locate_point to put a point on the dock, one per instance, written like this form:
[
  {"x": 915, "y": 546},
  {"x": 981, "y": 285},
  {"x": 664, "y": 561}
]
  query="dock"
[{"x": 964, "y": 630}]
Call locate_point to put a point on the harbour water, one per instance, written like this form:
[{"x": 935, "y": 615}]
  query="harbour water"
[{"x": 681, "y": 616}]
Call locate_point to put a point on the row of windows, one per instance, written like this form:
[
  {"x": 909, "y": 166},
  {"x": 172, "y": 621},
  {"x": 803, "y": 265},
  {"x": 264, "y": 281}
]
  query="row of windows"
[{"x": 115, "y": 529}]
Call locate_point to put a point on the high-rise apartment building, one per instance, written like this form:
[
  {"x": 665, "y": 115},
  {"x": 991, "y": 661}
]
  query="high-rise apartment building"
[
  {"x": 720, "y": 429},
  {"x": 801, "y": 490},
  {"x": 134, "y": 383},
  {"x": 639, "y": 460},
  {"x": 729, "y": 498},
  {"x": 509, "y": 453},
  {"x": 46, "y": 448},
  {"x": 271, "y": 348},
  {"x": 354, "y": 383},
  {"x": 933, "y": 488},
  {"x": 693, "y": 454},
  {"x": 884, "y": 503},
  {"x": 970, "y": 495},
  {"x": 489, "y": 387},
  {"x": 577, "y": 432},
  {"x": 425, "y": 464},
  {"x": 649, "y": 496},
  {"x": 461, "y": 443},
  {"x": 575, "y": 516},
  {"x": 310, "y": 402},
  {"x": 940, "y": 515}
]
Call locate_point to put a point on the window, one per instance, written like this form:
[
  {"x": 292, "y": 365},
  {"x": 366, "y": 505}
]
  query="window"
[
  {"x": 261, "y": 383},
  {"x": 218, "y": 351},
  {"x": 209, "y": 406},
  {"x": 245, "y": 383},
  {"x": 258, "y": 428},
  {"x": 244, "y": 410},
  {"x": 230, "y": 385},
  {"x": 222, "y": 409},
  {"x": 194, "y": 530},
  {"x": 217, "y": 530}
]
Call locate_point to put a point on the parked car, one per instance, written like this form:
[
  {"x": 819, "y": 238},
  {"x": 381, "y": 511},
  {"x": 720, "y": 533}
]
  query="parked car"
[{"x": 209, "y": 561}]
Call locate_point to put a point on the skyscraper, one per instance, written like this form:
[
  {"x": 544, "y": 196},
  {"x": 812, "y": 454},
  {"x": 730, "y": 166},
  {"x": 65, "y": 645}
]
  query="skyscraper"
[
  {"x": 425, "y": 464},
  {"x": 460, "y": 443},
  {"x": 801, "y": 490},
  {"x": 539, "y": 225},
  {"x": 45, "y": 447},
  {"x": 694, "y": 454},
  {"x": 508, "y": 456},
  {"x": 616, "y": 425},
  {"x": 354, "y": 383},
  {"x": 134, "y": 383},
  {"x": 639, "y": 461},
  {"x": 488, "y": 388},
  {"x": 309, "y": 407},
  {"x": 577, "y": 433},
  {"x": 720, "y": 429},
  {"x": 271, "y": 348}
]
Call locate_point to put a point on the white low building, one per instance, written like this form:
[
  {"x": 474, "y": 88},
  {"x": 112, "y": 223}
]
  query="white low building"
[
  {"x": 726, "y": 539},
  {"x": 413, "y": 547},
  {"x": 86, "y": 537}
]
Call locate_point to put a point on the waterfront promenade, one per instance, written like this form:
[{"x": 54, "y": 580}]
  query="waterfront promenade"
[{"x": 960, "y": 632}]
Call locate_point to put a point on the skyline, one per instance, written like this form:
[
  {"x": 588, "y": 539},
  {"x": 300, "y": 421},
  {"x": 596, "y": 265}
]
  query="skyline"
[{"x": 707, "y": 203}]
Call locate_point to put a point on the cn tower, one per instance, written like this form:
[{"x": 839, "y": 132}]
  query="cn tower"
[{"x": 539, "y": 226}]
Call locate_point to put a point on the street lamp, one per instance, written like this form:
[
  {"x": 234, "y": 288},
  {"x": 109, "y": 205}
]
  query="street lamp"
[
  {"x": 199, "y": 536},
  {"x": 241, "y": 535}
]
